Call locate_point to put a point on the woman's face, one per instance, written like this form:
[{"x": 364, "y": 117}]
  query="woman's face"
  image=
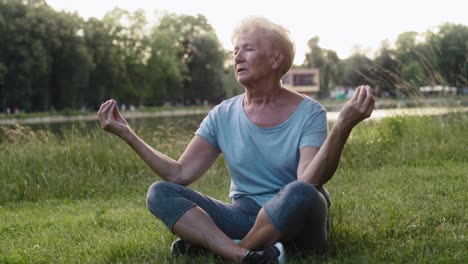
[{"x": 253, "y": 58}]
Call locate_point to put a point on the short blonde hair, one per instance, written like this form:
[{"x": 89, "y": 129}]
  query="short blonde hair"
[{"x": 279, "y": 36}]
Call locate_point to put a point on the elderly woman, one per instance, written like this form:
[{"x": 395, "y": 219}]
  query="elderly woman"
[{"x": 277, "y": 150}]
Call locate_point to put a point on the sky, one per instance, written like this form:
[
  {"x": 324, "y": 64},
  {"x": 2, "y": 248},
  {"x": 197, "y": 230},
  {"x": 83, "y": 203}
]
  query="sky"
[{"x": 342, "y": 25}]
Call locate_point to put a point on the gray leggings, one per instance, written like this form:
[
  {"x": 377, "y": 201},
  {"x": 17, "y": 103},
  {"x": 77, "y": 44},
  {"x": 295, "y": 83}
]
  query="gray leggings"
[{"x": 298, "y": 211}]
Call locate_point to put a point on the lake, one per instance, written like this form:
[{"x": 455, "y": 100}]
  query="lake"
[
  {"x": 190, "y": 121},
  {"x": 146, "y": 124}
]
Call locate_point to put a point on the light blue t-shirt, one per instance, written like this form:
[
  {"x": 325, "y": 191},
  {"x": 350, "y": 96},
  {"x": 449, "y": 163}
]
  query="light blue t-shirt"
[{"x": 262, "y": 160}]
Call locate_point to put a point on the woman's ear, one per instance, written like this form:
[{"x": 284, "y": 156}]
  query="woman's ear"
[{"x": 278, "y": 60}]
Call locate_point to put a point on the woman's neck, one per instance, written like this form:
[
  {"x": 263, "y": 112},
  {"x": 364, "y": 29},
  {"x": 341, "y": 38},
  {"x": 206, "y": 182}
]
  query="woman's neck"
[{"x": 261, "y": 95}]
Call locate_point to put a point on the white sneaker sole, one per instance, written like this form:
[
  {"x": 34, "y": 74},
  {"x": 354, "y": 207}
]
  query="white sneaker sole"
[
  {"x": 280, "y": 247},
  {"x": 282, "y": 256}
]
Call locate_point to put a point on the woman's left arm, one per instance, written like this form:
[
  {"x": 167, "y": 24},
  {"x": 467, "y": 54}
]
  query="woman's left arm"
[{"x": 317, "y": 166}]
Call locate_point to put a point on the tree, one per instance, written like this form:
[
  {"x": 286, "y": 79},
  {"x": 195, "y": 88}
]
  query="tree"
[
  {"x": 406, "y": 47},
  {"x": 450, "y": 44},
  {"x": 129, "y": 35},
  {"x": 440, "y": 59},
  {"x": 327, "y": 62},
  {"x": 23, "y": 58},
  {"x": 357, "y": 70},
  {"x": 165, "y": 69},
  {"x": 200, "y": 51},
  {"x": 107, "y": 77},
  {"x": 412, "y": 73},
  {"x": 206, "y": 68},
  {"x": 44, "y": 60},
  {"x": 72, "y": 63},
  {"x": 385, "y": 69}
]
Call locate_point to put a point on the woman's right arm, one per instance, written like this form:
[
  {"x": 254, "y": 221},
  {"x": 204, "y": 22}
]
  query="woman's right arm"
[{"x": 196, "y": 159}]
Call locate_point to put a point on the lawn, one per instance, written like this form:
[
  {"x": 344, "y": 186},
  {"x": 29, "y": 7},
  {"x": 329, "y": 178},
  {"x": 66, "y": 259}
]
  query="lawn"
[{"x": 399, "y": 195}]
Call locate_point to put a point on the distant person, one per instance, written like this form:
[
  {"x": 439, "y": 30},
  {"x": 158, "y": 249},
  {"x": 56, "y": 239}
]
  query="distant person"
[{"x": 277, "y": 150}]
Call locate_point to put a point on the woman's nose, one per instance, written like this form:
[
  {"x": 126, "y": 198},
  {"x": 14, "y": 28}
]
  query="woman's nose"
[{"x": 238, "y": 57}]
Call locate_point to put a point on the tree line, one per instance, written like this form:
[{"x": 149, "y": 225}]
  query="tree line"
[
  {"x": 415, "y": 60},
  {"x": 57, "y": 60}
]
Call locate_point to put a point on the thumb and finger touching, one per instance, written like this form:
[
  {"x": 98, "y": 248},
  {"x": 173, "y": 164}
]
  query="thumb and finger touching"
[
  {"x": 105, "y": 114},
  {"x": 360, "y": 106}
]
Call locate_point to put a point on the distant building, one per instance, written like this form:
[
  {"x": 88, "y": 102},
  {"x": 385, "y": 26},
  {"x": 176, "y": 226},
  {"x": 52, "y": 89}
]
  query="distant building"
[
  {"x": 438, "y": 90},
  {"x": 305, "y": 81}
]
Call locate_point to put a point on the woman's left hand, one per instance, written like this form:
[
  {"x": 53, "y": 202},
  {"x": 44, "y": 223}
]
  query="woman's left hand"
[{"x": 358, "y": 108}]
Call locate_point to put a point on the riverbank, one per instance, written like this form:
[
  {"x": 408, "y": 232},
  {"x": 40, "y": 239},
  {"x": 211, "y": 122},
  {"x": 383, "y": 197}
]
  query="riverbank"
[
  {"x": 93, "y": 116},
  {"x": 331, "y": 116}
]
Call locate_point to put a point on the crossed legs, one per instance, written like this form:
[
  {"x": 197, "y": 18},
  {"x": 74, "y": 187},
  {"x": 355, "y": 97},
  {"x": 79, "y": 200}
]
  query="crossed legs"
[{"x": 212, "y": 224}]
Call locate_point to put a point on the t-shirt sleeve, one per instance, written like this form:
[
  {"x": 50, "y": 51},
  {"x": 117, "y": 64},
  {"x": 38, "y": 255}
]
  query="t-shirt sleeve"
[
  {"x": 315, "y": 130},
  {"x": 207, "y": 129}
]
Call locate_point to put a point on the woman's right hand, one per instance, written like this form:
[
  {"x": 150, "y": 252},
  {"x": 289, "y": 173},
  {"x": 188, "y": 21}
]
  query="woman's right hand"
[{"x": 111, "y": 120}]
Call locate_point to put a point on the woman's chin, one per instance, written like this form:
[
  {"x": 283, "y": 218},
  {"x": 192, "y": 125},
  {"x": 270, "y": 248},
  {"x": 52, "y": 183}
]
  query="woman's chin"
[{"x": 243, "y": 80}]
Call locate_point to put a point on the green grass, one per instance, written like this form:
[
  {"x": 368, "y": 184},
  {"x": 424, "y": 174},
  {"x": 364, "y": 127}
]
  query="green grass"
[{"x": 399, "y": 195}]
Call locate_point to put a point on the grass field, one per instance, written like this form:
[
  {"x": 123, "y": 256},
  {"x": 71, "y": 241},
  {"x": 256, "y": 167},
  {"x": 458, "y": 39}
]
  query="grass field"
[{"x": 399, "y": 195}]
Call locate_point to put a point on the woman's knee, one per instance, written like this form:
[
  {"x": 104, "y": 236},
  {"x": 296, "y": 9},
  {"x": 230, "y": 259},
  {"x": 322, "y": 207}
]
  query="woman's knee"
[
  {"x": 158, "y": 192},
  {"x": 302, "y": 193},
  {"x": 290, "y": 210}
]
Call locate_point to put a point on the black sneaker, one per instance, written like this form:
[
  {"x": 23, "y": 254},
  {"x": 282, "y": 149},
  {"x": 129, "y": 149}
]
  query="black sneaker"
[
  {"x": 181, "y": 247},
  {"x": 270, "y": 255}
]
